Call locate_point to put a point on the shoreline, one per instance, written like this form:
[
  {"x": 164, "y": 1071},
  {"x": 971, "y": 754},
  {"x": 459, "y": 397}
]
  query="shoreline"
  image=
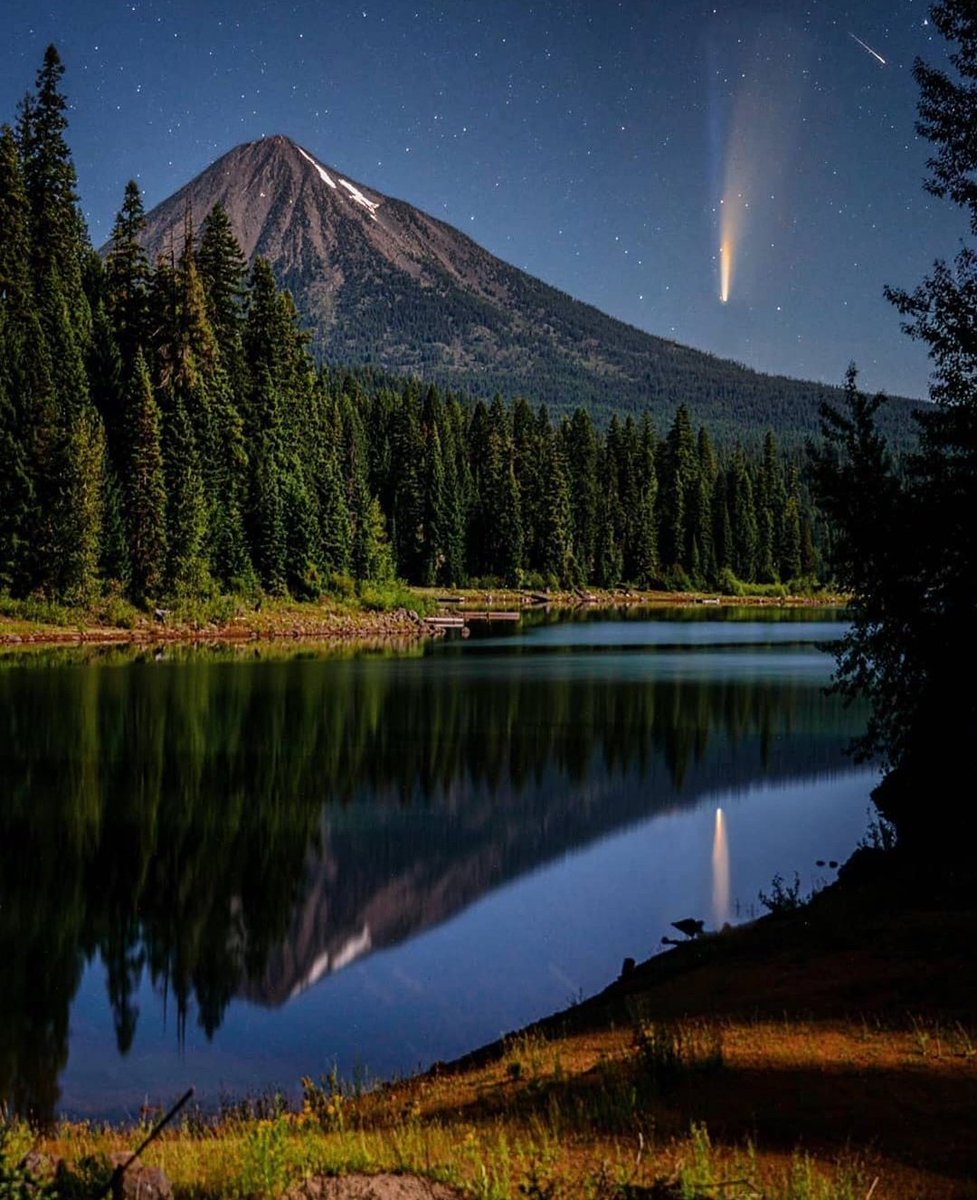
[
  {"x": 825, "y": 1053},
  {"x": 337, "y": 624}
]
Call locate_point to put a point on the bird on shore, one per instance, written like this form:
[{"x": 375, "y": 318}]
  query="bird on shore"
[{"x": 689, "y": 926}]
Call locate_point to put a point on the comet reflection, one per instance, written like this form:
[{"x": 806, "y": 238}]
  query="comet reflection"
[{"x": 720, "y": 872}]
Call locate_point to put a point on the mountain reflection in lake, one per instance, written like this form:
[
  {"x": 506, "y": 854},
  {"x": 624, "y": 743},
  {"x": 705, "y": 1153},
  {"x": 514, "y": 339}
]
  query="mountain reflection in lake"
[{"x": 192, "y": 849}]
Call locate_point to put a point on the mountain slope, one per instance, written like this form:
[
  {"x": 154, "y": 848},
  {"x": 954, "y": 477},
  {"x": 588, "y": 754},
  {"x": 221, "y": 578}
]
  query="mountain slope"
[{"x": 381, "y": 282}]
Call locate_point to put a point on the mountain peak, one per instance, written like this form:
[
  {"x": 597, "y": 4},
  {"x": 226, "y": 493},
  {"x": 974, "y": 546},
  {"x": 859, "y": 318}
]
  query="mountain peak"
[
  {"x": 378, "y": 281},
  {"x": 329, "y": 176}
]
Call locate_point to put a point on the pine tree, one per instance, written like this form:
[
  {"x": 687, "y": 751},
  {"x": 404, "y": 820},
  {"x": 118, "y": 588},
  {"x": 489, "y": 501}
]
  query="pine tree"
[
  {"x": 367, "y": 548},
  {"x": 703, "y": 508},
  {"x": 790, "y": 544},
  {"x": 266, "y": 503},
  {"x": 455, "y": 490},
  {"x": 26, "y": 402},
  {"x": 771, "y": 501},
  {"x": 115, "y": 567},
  {"x": 335, "y": 532},
  {"x": 223, "y": 269},
  {"x": 477, "y": 440},
  {"x": 436, "y": 517},
  {"x": 127, "y": 279},
  {"x": 646, "y": 568},
  {"x": 407, "y": 505},
  {"x": 580, "y": 453},
  {"x": 502, "y": 500},
  {"x": 58, "y": 228},
  {"x": 678, "y": 480},
  {"x": 608, "y": 553},
  {"x": 743, "y": 520},
  {"x": 526, "y": 434},
  {"x": 179, "y": 395},
  {"x": 554, "y": 529},
  {"x": 106, "y": 386},
  {"x": 69, "y": 464},
  {"x": 145, "y": 485},
  {"x": 186, "y": 504}
]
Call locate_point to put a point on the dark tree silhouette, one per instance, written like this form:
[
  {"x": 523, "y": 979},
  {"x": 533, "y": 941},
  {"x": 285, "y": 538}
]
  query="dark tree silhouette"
[{"x": 908, "y": 543}]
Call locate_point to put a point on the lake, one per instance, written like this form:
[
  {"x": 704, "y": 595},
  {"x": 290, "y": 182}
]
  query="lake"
[{"x": 233, "y": 867}]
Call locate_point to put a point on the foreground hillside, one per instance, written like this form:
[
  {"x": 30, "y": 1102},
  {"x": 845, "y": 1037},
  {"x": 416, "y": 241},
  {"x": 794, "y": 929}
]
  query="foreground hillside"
[
  {"x": 379, "y": 282},
  {"x": 825, "y": 1051}
]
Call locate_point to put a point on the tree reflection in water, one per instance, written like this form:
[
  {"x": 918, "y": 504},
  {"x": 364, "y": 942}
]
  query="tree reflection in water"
[{"x": 216, "y": 824}]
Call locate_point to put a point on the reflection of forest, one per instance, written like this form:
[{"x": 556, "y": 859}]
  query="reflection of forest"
[{"x": 227, "y": 827}]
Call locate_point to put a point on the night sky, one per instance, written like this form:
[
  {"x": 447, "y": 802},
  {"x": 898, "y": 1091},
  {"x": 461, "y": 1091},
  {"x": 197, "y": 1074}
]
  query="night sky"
[{"x": 608, "y": 148}]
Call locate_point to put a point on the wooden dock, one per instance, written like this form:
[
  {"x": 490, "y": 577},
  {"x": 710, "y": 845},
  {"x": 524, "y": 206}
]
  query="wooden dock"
[
  {"x": 470, "y": 617},
  {"x": 458, "y": 620}
]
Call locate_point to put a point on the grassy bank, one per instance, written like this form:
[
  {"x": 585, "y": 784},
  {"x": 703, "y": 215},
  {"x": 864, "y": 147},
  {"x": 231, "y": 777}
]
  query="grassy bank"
[
  {"x": 374, "y": 613},
  {"x": 824, "y": 1052}
]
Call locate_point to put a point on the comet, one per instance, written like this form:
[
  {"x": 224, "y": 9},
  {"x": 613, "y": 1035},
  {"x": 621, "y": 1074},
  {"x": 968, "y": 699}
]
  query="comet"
[{"x": 874, "y": 53}]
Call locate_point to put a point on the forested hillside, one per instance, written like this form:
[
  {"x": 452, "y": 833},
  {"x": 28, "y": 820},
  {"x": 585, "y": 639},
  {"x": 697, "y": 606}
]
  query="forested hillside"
[
  {"x": 165, "y": 431},
  {"x": 378, "y": 282}
]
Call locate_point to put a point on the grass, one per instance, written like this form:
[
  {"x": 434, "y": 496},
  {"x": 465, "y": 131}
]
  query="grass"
[
  {"x": 373, "y": 612},
  {"x": 786, "y": 1110}
]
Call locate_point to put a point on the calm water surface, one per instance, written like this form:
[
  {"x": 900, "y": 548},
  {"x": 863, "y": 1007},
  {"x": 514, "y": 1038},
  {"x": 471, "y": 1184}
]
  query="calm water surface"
[{"x": 233, "y": 869}]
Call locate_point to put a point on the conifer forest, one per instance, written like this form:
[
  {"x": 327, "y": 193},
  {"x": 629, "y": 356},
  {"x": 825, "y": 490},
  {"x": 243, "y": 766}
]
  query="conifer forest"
[{"x": 165, "y": 431}]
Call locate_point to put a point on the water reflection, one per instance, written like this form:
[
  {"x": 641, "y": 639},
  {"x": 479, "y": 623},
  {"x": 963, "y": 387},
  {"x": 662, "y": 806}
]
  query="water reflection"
[
  {"x": 720, "y": 872},
  {"x": 228, "y": 828}
]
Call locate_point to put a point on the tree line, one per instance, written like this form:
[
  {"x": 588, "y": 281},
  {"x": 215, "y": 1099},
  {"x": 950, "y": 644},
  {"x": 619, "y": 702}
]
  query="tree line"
[{"x": 165, "y": 431}]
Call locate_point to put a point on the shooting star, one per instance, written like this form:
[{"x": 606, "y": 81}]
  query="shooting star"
[{"x": 874, "y": 53}]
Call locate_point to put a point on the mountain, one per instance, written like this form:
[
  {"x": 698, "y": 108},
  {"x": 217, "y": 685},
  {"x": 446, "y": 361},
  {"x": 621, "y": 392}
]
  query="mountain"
[
  {"x": 375, "y": 876},
  {"x": 381, "y": 283}
]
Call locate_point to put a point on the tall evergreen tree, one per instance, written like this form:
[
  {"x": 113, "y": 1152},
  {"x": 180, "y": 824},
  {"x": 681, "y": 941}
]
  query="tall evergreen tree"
[
  {"x": 59, "y": 235},
  {"x": 679, "y": 472},
  {"x": 127, "y": 276},
  {"x": 223, "y": 268},
  {"x": 554, "y": 530},
  {"x": 145, "y": 485},
  {"x": 580, "y": 453},
  {"x": 69, "y": 472},
  {"x": 26, "y": 401},
  {"x": 646, "y": 568}
]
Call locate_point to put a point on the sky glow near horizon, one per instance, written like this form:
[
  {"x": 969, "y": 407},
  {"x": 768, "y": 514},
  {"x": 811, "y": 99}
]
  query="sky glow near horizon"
[{"x": 610, "y": 149}]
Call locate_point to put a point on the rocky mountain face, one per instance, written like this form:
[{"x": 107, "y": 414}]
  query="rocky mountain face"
[{"x": 379, "y": 282}]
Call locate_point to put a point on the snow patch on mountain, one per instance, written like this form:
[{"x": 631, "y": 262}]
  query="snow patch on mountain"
[
  {"x": 325, "y": 963},
  {"x": 370, "y": 205},
  {"x": 323, "y": 173}
]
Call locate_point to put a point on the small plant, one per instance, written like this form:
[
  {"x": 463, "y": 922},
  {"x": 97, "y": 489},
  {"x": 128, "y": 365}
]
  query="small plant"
[
  {"x": 669, "y": 1055},
  {"x": 934, "y": 1039},
  {"x": 783, "y": 897},
  {"x": 115, "y": 611},
  {"x": 491, "y": 1175},
  {"x": 880, "y": 834},
  {"x": 36, "y": 609},
  {"x": 526, "y": 1058},
  {"x": 264, "y": 1158},
  {"x": 538, "y": 1182},
  {"x": 326, "y": 1101},
  {"x": 700, "y": 1174},
  {"x": 16, "y": 1180},
  {"x": 88, "y": 1177}
]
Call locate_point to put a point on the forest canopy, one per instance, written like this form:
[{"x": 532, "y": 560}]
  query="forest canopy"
[{"x": 165, "y": 432}]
